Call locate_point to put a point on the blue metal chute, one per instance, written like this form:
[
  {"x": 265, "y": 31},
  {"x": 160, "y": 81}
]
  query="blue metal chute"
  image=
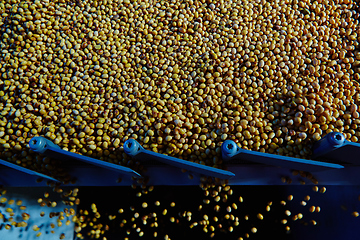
[
  {"x": 230, "y": 151},
  {"x": 335, "y": 163},
  {"x": 335, "y": 148},
  {"x": 25, "y": 170},
  {"x": 45, "y": 146},
  {"x": 134, "y": 149}
]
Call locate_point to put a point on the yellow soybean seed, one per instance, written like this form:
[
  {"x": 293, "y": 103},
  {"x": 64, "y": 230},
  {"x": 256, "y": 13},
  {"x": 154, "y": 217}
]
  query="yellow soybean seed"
[
  {"x": 312, "y": 209},
  {"x": 180, "y": 89}
]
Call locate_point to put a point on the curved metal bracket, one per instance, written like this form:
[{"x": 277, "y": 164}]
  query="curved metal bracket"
[
  {"x": 45, "y": 146},
  {"x": 231, "y": 151},
  {"x": 134, "y": 149},
  {"x": 25, "y": 170},
  {"x": 334, "y": 147}
]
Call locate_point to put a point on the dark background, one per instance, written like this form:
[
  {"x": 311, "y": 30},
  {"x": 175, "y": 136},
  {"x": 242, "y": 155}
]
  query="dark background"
[{"x": 334, "y": 221}]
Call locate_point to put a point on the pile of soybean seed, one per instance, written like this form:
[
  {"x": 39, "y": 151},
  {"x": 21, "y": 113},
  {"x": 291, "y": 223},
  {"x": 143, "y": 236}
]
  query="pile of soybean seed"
[{"x": 180, "y": 77}]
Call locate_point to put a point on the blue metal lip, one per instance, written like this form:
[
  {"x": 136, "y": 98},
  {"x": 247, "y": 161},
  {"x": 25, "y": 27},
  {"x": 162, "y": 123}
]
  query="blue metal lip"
[
  {"x": 43, "y": 145},
  {"x": 335, "y": 148},
  {"x": 267, "y": 171},
  {"x": 25, "y": 170},
  {"x": 231, "y": 151},
  {"x": 134, "y": 149}
]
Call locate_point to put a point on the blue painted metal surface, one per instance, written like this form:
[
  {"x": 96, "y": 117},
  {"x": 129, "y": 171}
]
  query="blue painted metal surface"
[
  {"x": 231, "y": 151},
  {"x": 248, "y": 169},
  {"x": 335, "y": 148},
  {"x": 247, "y": 174},
  {"x": 22, "y": 171},
  {"x": 45, "y": 146},
  {"x": 134, "y": 149}
]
